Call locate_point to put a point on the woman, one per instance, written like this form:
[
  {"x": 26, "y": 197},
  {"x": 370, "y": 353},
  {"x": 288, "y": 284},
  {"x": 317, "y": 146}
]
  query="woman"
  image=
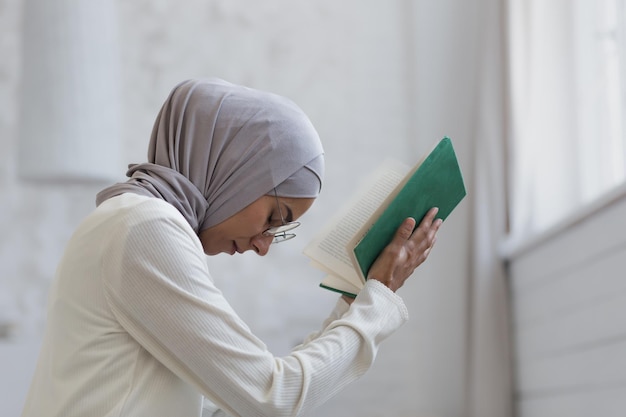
[{"x": 135, "y": 324}]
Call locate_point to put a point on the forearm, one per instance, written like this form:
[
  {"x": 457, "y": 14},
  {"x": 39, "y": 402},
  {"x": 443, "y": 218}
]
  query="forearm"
[{"x": 339, "y": 309}]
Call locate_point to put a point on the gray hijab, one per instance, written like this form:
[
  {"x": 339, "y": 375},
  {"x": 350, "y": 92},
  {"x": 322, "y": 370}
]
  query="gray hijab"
[{"x": 216, "y": 147}]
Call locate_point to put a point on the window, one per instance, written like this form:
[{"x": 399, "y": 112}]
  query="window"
[
  {"x": 568, "y": 106},
  {"x": 599, "y": 39}
]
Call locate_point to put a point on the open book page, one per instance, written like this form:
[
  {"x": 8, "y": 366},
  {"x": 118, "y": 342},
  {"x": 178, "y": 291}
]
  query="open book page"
[{"x": 328, "y": 249}]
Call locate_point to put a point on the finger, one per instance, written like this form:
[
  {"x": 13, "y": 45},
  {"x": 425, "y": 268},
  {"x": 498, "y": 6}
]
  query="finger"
[
  {"x": 429, "y": 218},
  {"x": 424, "y": 238},
  {"x": 427, "y": 223},
  {"x": 424, "y": 253},
  {"x": 431, "y": 235},
  {"x": 406, "y": 229}
]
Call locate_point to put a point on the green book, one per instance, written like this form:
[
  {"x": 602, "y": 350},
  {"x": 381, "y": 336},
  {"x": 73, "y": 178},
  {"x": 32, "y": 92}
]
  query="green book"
[
  {"x": 435, "y": 182},
  {"x": 348, "y": 246}
]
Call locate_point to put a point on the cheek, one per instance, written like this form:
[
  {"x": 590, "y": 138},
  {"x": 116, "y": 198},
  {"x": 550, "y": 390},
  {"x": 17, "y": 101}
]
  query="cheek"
[
  {"x": 246, "y": 224},
  {"x": 242, "y": 227},
  {"x": 251, "y": 224},
  {"x": 251, "y": 229}
]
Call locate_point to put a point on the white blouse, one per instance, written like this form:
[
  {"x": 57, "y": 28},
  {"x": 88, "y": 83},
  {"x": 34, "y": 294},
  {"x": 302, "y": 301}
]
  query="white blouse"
[{"x": 136, "y": 327}]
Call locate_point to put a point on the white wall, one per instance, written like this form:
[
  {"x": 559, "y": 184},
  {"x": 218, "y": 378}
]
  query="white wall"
[
  {"x": 569, "y": 297},
  {"x": 376, "y": 78}
]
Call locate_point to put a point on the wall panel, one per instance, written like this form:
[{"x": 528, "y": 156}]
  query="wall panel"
[{"x": 568, "y": 292}]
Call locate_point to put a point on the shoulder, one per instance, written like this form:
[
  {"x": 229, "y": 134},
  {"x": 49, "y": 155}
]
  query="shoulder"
[
  {"x": 146, "y": 233},
  {"x": 131, "y": 210},
  {"x": 136, "y": 207},
  {"x": 134, "y": 219}
]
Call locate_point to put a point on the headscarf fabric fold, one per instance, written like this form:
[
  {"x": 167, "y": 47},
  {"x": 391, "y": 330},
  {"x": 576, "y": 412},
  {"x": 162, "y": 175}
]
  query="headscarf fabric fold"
[{"x": 216, "y": 147}]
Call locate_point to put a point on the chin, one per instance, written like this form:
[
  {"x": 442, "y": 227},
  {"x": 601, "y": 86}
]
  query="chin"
[
  {"x": 210, "y": 251},
  {"x": 227, "y": 251}
]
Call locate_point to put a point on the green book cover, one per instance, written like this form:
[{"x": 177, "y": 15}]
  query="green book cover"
[{"x": 437, "y": 182}]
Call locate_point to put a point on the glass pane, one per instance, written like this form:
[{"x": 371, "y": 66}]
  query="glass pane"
[{"x": 601, "y": 93}]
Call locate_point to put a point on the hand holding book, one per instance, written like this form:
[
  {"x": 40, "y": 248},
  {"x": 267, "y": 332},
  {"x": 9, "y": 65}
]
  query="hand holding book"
[
  {"x": 349, "y": 246},
  {"x": 408, "y": 249}
]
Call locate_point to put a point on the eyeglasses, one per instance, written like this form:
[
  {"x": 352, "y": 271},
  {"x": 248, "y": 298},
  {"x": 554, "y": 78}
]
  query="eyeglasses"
[{"x": 280, "y": 232}]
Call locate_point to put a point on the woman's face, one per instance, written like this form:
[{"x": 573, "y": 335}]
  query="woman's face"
[{"x": 244, "y": 230}]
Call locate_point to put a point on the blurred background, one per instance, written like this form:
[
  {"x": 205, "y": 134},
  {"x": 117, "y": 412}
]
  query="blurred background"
[{"x": 530, "y": 91}]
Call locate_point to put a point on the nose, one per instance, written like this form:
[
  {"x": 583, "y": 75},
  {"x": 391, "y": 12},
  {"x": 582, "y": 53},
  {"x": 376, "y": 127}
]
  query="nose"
[{"x": 261, "y": 244}]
